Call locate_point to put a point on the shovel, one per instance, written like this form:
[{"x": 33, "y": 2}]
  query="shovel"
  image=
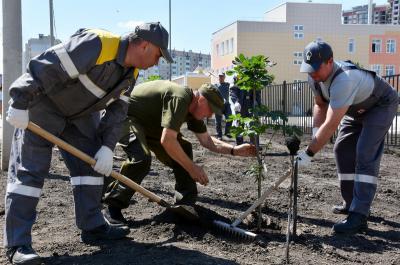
[{"x": 186, "y": 212}]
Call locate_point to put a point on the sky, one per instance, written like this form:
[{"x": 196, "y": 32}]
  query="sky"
[{"x": 193, "y": 22}]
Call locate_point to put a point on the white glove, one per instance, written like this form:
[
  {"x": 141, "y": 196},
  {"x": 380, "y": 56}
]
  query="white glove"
[
  {"x": 304, "y": 160},
  {"x": 104, "y": 161},
  {"x": 314, "y": 131},
  {"x": 237, "y": 107},
  {"x": 19, "y": 118}
]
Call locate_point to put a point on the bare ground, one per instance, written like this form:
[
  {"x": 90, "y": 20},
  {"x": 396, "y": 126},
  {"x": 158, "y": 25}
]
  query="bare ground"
[{"x": 158, "y": 238}]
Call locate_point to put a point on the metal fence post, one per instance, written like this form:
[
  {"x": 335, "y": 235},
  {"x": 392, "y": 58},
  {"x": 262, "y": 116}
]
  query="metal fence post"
[{"x": 284, "y": 100}]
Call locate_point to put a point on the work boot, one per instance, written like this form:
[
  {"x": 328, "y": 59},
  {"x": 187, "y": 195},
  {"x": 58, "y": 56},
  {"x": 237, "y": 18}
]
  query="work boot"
[
  {"x": 23, "y": 255},
  {"x": 354, "y": 223},
  {"x": 114, "y": 216},
  {"x": 340, "y": 209},
  {"x": 104, "y": 232}
]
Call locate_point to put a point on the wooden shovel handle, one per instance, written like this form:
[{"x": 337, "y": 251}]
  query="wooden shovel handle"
[{"x": 91, "y": 161}]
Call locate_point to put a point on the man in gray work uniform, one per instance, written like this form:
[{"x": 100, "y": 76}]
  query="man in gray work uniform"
[
  {"x": 364, "y": 105},
  {"x": 63, "y": 92}
]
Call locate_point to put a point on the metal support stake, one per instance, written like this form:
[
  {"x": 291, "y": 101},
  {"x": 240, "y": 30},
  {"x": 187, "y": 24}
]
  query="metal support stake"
[
  {"x": 295, "y": 192},
  {"x": 291, "y": 231}
]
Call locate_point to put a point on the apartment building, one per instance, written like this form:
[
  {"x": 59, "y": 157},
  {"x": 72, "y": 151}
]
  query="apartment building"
[
  {"x": 36, "y": 46},
  {"x": 394, "y": 11},
  {"x": 289, "y": 27},
  {"x": 184, "y": 61},
  {"x": 359, "y": 15}
]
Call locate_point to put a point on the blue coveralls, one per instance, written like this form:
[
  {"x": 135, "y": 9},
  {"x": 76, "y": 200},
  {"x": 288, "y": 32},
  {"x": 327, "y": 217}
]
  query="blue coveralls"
[
  {"x": 64, "y": 90},
  {"x": 359, "y": 144}
]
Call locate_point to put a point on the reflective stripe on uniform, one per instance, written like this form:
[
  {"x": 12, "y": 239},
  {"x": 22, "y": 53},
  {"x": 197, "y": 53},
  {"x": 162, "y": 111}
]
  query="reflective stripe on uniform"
[
  {"x": 73, "y": 72},
  {"x": 346, "y": 176},
  {"x": 86, "y": 180},
  {"x": 21, "y": 189},
  {"x": 110, "y": 101},
  {"x": 66, "y": 61},
  {"x": 95, "y": 90},
  {"x": 366, "y": 179},
  {"x": 124, "y": 98}
]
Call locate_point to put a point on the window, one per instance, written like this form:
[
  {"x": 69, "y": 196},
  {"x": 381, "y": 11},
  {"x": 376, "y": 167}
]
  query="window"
[
  {"x": 298, "y": 31},
  {"x": 227, "y": 46},
  {"x": 298, "y": 27},
  {"x": 390, "y": 46},
  {"x": 376, "y": 45},
  {"x": 231, "y": 46},
  {"x": 351, "y": 47},
  {"x": 223, "y": 48},
  {"x": 298, "y": 54},
  {"x": 297, "y": 62},
  {"x": 297, "y": 81},
  {"x": 298, "y": 35},
  {"x": 217, "y": 48},
  {"x": 389, "y": 70},
  {"x": 376, "y": 68}
]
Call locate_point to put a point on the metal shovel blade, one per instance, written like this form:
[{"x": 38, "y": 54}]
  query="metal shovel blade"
[{"x": 186, "y": 211}]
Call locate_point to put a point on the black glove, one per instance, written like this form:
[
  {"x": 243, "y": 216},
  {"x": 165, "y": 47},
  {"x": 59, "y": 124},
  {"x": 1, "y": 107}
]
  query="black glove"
[{"x": 293, "y": 144}]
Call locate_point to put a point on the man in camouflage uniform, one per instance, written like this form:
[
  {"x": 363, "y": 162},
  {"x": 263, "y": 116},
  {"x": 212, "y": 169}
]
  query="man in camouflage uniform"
[{"x": 156, "y": 113}]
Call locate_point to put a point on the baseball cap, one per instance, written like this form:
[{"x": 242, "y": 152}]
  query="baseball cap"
[
  {"x": 155, "y": 33},
  {"x": 221, "y": 74},
  {"x": 213, "y": 96},
  {"x": 314, "y": 55}
]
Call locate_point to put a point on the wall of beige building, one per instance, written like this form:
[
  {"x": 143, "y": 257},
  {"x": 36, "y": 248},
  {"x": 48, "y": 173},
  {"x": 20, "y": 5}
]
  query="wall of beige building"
[
  {"x": 194, "y": 81},
  {"x": 277, "y": 39}
]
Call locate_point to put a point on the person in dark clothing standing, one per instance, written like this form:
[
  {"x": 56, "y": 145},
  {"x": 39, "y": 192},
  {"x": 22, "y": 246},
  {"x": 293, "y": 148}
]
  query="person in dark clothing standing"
[
  {"x": 242, "y": 103},
  {"x": 224, "y": 90}
]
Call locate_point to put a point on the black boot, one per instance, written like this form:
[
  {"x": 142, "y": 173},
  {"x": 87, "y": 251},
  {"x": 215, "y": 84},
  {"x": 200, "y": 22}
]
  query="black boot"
[
  {"x": 114, "y": 216},
  {"x": 354, "y": 223},
  {"x": 23, "y": 255},
  {"x": 340, "y": 209},
  {"x": 104, "y": 232}
]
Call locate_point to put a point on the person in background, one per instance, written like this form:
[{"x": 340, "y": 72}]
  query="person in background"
[
  {"x": 242, "y": 101},
  {"x": 223, "y": 88}
]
